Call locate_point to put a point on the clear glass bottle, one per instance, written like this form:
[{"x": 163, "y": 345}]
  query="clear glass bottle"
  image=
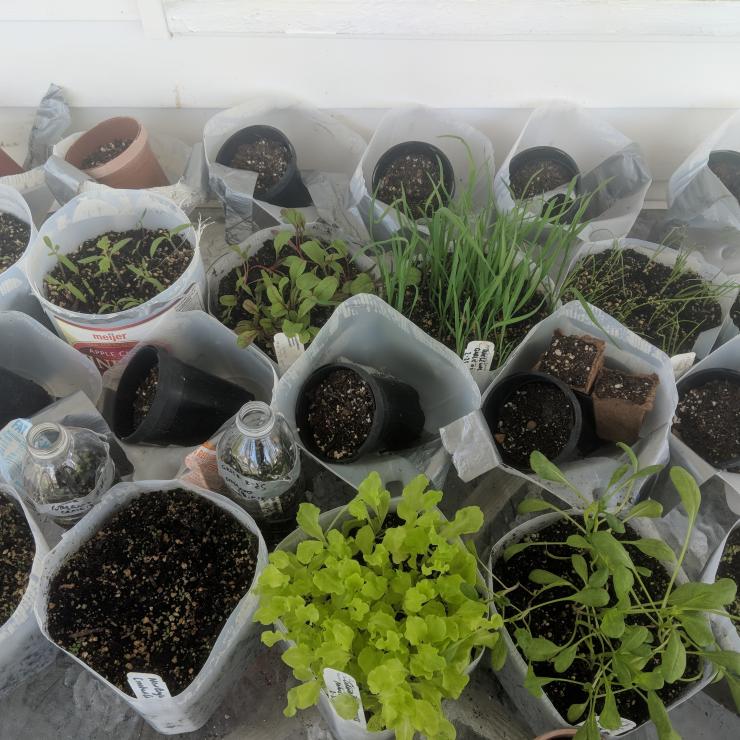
[
  {"x": 65, "y": 470},
  {"x": 259, "y": 460}
]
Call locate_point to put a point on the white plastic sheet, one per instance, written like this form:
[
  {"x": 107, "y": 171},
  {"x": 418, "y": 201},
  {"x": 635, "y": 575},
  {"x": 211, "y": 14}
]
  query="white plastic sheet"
[
  {"x": 327, "y": 153},
  {"x": 190, "y": 709},
  {"x": 418, "y": 123},
  {"x": 474, "y": 451},
  {"x": 24, "y": 651},
  {"x": 183, "y": 165},
  {"x": 367, "y": 331},
  {"x": 107, "y": 337},
  {"x": 605, "y": 157}
]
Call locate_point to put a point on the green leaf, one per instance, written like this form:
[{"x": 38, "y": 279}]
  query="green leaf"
[
  {"x": 580, "y": 567},
  {"x": 307, "y": 281},
  {"x": 612, "y": 623},
  {"x": 274, "y": 295},
  {"x": 544, "y": 577},
  {"x": 634, "y": 638},
  {"x": 659, "y": 716},
  {"x": 314, "y": 251},
  {"x": 297, "y": 268},
  {"x": 302, "y": 697},
  {"x": 363, "y": 283},
  {"x": 512, "y": 550},
  {"x": 540, "y": 648},
  {"x": 673, "y": 661},
  {"x": 306, "y": 305},
  {"x": 308, "y": 550},
  {"x": 608, "y": 546},
  {"x": 599, "y": 578},
  {"x": 76, "y": 292},
  {"x": 592, "y": 596},
  {"x": 152, "y": 248},
  {"x": 326, "y": 289},
  {"x": 697, "y": 628},
  {"x": 688, "y": 491},
  {"x": 614, "y": 523},
  {"x": 346, "y": 706},
  {"x": 623, "y": 580},
  {"x": 565, "y": 658},
  {"x": 650, "y": 680},
  {"x": 281, "y": 239},
  {"x": 655, "y": 549},
  {"x": 227, "y": 300},
  {"x": 534, "y": 684},
  {"x": 308, "y": 520},
  {"x": 578, "y": 541},
  {"x": 704, "y": 595},
  {"x": 648, "y": 508},
  {"x": 575, "y": 712},
  {"x": 291, "y": 328},
  {"x": 498, "y": 654},
  {"x": 532, "y": 505},
  {"x": 546, "y": 469},
  {"x": 609, "y": 718}
]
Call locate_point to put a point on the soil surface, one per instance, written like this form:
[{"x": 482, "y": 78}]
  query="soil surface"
[
  {"x": 571, "y": 359},
  {"x": 708, "y": 420},
  {"x": 417, "y": 175},
  {"x": 20, "y": 398},
  {"x": 729, "y": 174},
  {"x": 118, "y": 287},
  {"x": 537, "y": 177},
  {"x": 17, "y": 549},
  {"x": 267, "y": 157},
  {"x": 144, "y": 397},
  {"x": 151, "y": 591},
  {"x": 105, "y": 153},
  {"x": 537, "y": 416},
  {"x": 14, "y": 236},
  {"x": 634, "y": 388},
  {"x": 729, "y": 567},
  {"x": 341, "y": 410},
  {"x": 666, "y": 309},
  {"x": 556, "y": 622}
]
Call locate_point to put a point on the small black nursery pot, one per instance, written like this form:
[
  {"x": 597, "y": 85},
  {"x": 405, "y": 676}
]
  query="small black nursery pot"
[
  {"x": 413, "y": 168},
  {"x": 539, "y": 170},
  {"x": 725, "y": 163},
  {"x": 161, "y": 400},
  {"x": 706, "y": 415},
  {"x": 21, "y": 398},
  {"x": 267, "y": 151},
  {"x": 345, "y": 412},
  {"x": 536, "y": 411}
]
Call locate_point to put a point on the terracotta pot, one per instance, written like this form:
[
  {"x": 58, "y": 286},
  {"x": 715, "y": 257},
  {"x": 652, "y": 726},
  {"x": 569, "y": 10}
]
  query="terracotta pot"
[
  {"x": 555, "y": 734},
  {"x": 135, "y": 167},
  {"x": 8, "y": 166},
  {"x": 619, "y": 420}
]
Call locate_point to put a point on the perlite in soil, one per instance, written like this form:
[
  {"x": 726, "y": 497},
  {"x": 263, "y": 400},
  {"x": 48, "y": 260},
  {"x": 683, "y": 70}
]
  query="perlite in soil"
[
  {"x": 260, "y": 462},
  {"x": 65, "y": 471}
]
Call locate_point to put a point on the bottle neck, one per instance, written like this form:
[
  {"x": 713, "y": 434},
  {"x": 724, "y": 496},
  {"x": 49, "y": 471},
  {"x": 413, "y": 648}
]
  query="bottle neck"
[
  {"x": 255, "y": 419},
  {"x": 47, "y": 440}
]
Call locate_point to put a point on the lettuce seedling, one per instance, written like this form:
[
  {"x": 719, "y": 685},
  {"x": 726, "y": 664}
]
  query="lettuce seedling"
[{"x": 392, "y": 600}]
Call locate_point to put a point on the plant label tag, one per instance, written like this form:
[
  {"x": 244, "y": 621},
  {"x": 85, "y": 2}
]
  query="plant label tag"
[
  {"x": 148, "y": 686},
  {"x": 682, "y": 363},
  {"x": 478, "y": 358},
  {"x": 287, "y": 350},
  {"x": 338, "y": 683}
]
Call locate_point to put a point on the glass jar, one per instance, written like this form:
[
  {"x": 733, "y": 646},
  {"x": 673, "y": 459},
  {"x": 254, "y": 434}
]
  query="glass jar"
[{"x": 65, "y": 470}]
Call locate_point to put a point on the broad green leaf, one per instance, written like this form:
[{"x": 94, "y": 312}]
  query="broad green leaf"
[
  {"x": 612, "y": 623},
  {"x": 688, "y": 491},
  {"x": 308, "y": 520},
  {"x": 608, "y": 546},
  {"x": 614, "y": 523},
  {"x": 649, "y": 680},
  {"x": 540, "y": 648},
  {"x": 648, "y": 508},
  {"x": 580, "y": 567},
  {"x": 673, "y": 661},
  {"x": 308, "y": 550},
  {"x": 659, "y": 716},
  {"x": 346, "y": 705},
  {"x": 565, "y": 658},
  {"x": 361, "y": 284},
  {"x": 544, "y": 577},
  {"x": 281, "y": 239},
  {"x": 592, "y": 596},
  {"x": 704, "y": 595},
  {"x": 599, "y": 577},
  {"x": 578, "y": 541},
  {"x": 227, "y": 300},
  {"x": 512, "y": 550},
  {"x": 546, "y": 469},
  {"x": 655, "y": 549},
  {"x": 727, "y": 659},
  {"x": 697, "y": 628},
  {"x": 534, "y": 684},
  {"x": 314, "y": 251},
  {"x": 326, "y": 289},
  {"x": 296, "y": 269},
  {"x": 575, "y": 712},
  {"x": 386, "y": 675},
  {"x": 623, "y": 580},
  {"x": 468, "y": 520},
  {"x": 532, "y": 505},
  {"x": 302, "y": 697},
  {"x": 307, "y": 281},
  {"x": 635, "y": 637},
  {"x": 498, "y": 654},
  {"x": 609, "y": 718}
]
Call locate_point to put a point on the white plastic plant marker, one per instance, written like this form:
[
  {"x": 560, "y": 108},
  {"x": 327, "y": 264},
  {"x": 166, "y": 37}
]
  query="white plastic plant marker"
[
  {"x": 148, "y": 686},
  {"x": 682, "y": 363},
  {"x": 337, "y": 683},
  {"x": 478, "y": 357},
  {"x": 287, "y": 350}
]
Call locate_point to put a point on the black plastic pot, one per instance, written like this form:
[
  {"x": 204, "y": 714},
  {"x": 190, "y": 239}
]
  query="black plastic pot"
[
  {"x": 539, "y": 154},
  {"x": 730, "y": 159},
  {"x": 417, "y": 147},
  {"x": 700, "y": 378},
  {"x": 582, "y": 439},
  {"x": 188, "y": 407},
  {"x": 21, "y": 398},
  {"x": 289, "y": 192},
  {"x": 398, "y": 421}
]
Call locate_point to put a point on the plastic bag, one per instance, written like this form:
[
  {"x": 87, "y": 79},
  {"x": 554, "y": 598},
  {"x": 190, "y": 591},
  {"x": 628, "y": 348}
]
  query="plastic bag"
[
  {"x": 667, "y": 256},
  {"x": 190, "y": 709},
  {"x": 51, "y": 121},
  {"x": 474, "y": 451},
  {"x": 727, "y": 356},
  {"x": 539, "y": 712},
  {"x": 610, "y": 164},
  {"x": 327, "y": 152},
  {"x": 24, "y": 651},
  {"x": 200, "y": 340},
  {"x": 419, "y": 123},
  {"x": 695, "y": 194},
  {"x": 106, "y": 338},
  {"x": 183, "y": 165},
  {"x": 367, "y": 331}
]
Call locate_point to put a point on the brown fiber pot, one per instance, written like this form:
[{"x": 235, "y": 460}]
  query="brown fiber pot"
[
  {"x": 136, "y": 167},
  {"x": 8, "y": 166},
  {"x": 596, "y": 365}
]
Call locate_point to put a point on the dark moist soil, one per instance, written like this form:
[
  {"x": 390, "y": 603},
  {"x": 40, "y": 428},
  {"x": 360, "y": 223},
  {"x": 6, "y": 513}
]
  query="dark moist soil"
[
  {"x": 708, "y": 420},
  {"x": 616, "y": 384},
  {"x": 729, "y": 174},
  {"x": 170, "y": 260},
  {"x": 537, "y": 177},
  {"x": 729, "y": 567},
  {"x": 151, "y": 591},
  {"x": 265, "y": 258},
  {"x": 17, "y": 549},
  {"x": 632, "y": 287},
  {"x": 570, "y": 358},
  {"x": 267, "y": 157},
  {"x": 105, "y": 153},
  {"x": 20, "y": 397},
  {"x": 144, "y": 397},
  {"x": 557, "y": 622},
  {"x": 535, "y": 417},
  {"x": 417, "y": 176},
  {"x": 14, "y": 236},
  {"x": 341, "y": 409}
]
